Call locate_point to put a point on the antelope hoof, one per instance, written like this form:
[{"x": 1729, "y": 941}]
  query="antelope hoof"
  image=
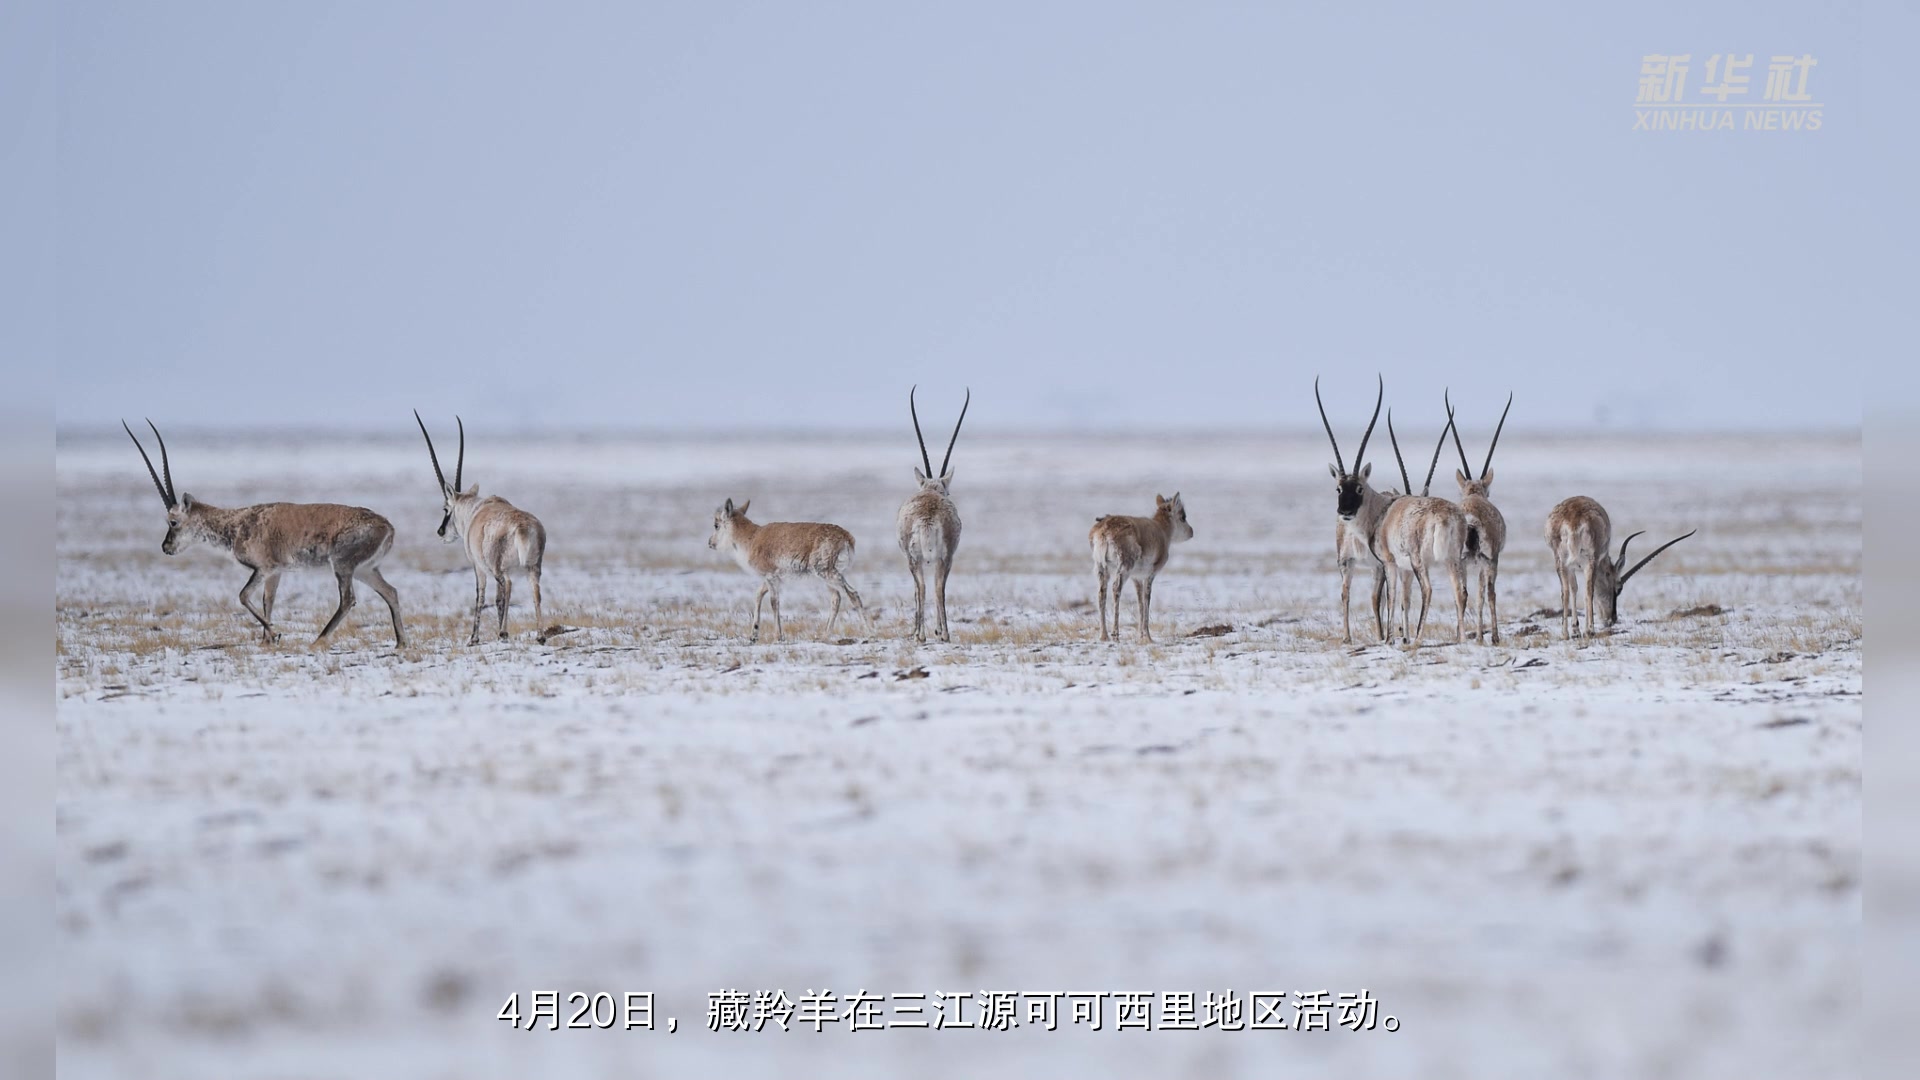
[
  {"x": 472, "y": 641},
  {"x": 503, "y": 635}
]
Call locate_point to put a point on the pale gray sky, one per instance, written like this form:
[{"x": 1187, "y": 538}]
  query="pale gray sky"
[{"x": 731, "y": 216}]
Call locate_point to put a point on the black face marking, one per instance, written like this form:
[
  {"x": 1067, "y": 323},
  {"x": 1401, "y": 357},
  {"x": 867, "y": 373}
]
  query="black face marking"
[
  {"x": 1350, "y": 496},
  {"x": 444, "y": 522}
]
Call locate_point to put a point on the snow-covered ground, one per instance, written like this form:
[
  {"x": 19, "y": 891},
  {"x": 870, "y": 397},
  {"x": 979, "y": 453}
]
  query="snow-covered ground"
[{"x": 1636, "y": 857}]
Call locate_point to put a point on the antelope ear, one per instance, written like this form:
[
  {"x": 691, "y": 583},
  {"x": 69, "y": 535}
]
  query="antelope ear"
[
  {"x": 918, "y": 476},
  {"x": 1486, "y": 476},
  {"x": 946, "y": 478},
  {"x": 186, "y": 502},
  {"x": 1158, "y": 501},
  {"x": 472, "y": 489},
  {"x": 1461, "y": 477},
  {"x": 1334, "y": 470},
  {"x": 743, "y": 507},
  {"x": 1175, "y": 499},
  {"x": 728, "y": 509},
  {"x": 1366, "y": 470}
]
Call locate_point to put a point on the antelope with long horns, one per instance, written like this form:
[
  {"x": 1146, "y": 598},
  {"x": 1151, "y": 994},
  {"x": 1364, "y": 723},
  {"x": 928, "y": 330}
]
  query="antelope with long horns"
[
  {"x": 1135, "y": 547},
  {"x": 1419, "y": 535},
  {"x": 1359, "y": 509},
  {"x": 271, "y": 538},
  {"x": 499, "y": 536},
  {"x": 1486, "y": 528},
  {"x": 780, "y": 550},
  {"x": 1581, "y": 537},
  {"x": 929, "y": 527}
]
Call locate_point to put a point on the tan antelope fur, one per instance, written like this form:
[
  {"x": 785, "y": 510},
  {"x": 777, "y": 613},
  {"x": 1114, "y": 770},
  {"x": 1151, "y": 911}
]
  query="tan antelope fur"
[
  {"x": 271, "y": 538},
  {"x": 499, "y": 537},
  {"x": 1358, "y": 509},
  {"x": 780, "y": 550},
  {"x": 929, "y": 527},
  {"x": 1135, "y": 547},
  {"x": 1581, "y": 536},
  {"x": 1419, "y": 535},
  {"x": 1486, "y": 528}
]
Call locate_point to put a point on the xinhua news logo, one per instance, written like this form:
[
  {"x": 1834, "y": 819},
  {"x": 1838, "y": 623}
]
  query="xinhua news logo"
[{"x": 1670, "y": 100}]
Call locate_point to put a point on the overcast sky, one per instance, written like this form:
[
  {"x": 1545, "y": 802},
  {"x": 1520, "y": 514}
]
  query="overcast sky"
[{"x": 702, "y": 215}]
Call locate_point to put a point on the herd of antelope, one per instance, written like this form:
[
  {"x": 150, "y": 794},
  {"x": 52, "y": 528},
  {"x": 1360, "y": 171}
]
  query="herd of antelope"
[{"x": 1399, "y": 539}]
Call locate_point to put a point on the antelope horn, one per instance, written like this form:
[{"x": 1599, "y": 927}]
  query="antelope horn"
[
  {"x": 1465, "y": 468},
  {"x": 1405, "y": 480},
  {"x": 437, "y": 474},
  {"x": 924, "y": 459},
  {"x": 1437, "y": 447},
  {"x": 166, "y": 467},
  {"x": 1360, "y": 458},
  {"x": 460, "y": 463},
  {"x": 1338, "y": 460},
  {"x": 1622, "y": 560},
  {"x": 1636, "y": 566},
  {"x": 1496, "y": 434},
  {"x": 956, "y": 431},
  {"x": 165, "y": 496}
]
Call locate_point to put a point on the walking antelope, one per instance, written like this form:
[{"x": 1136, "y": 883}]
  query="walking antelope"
[
  {"x": 1135, "y": 547},
  {"x": 1359, "y": 508},
  {"x": 1486, "y": 528},
  {"x": 271, "y": 538},
  {"x": 1419, "y": 534},
  {"x": 929, "y": 527},
  {"x": 1581, "y": 535},
  {"x": 500, "y": 537},
  {"x": 779, "y": 550}
]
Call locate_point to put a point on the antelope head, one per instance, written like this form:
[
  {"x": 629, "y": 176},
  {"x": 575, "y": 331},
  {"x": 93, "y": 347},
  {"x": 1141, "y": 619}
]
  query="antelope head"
[
  {"x": 180, "y": 508},
  {"x": 1351, "y": 487},
  {"x": 1469, "y": 483},
  {"x": 448, "y": 493},
  {"x": 929, "y": 480},
  {"x": 1176, "y": 514},
  {"x": 724, "y": 519},
  {"x": 1609, "y": 578}
]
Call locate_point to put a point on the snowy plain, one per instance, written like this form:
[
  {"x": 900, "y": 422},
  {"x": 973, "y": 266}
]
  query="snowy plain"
[{"x": 1638, "y": 856}]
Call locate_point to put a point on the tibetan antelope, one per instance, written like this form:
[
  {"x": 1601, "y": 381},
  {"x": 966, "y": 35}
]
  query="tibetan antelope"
[
  {"x": 1135, "y": 547},
  {"x": 500, "y": 537},
  {"x": 929, "y": 527},
  {"x": 271, "y": 538},
  {"x": 1359, "y": 508},
  {"x": 1580, "y": 535},
  {"x": 779, "y": 550},
  {"x": 1486, "y": 528},
  {"x": 1419, "y": 535}
]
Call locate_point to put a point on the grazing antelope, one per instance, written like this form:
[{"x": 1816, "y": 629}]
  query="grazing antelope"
[
  {"x": 929, "y": 527},
  {"x": 270, "y": 538},
  {"x": 1359, "y": 508},
  {"x": 1486, "y": 528},
  {"x": 500, "y": 537},
  {"x": 1135, "y": 547},
  {"x": 779, "y": 550},
  {"x": 1418, "y": 535},
  {"x": 1580, "y": 535}
]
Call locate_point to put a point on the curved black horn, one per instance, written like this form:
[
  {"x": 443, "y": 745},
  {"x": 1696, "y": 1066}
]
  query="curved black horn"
[
  {"x": 1636, "y": 566},
  {"x": 1496, "y": 435},
  {"x": 956, "y": 431},
  {"x": 1465, "y": 469},
  {"x": 924, "y": 459},
  {"x": 1622, "y": 560},
  {"x": 1338, "y": 460},
  {"x": 1437, "y": 447},
  {"x": 165, "y": 495},
  {"x": 435, "y": 458},
  {"x": 460, "y": 463},
  {"x": 1360, "y": 458},
  {"x": 1405, "y": 480},
  {"x": 166, "y": 467}
]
